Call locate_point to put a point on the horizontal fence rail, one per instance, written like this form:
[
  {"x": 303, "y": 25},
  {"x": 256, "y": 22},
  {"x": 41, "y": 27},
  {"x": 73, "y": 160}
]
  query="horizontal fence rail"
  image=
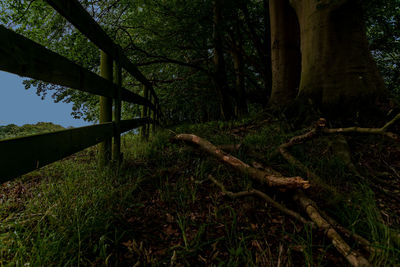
[
  {"x": 24, "y": 154},
  {"x": 24, "y": 57},
  {"x": 73, "y": 11}
]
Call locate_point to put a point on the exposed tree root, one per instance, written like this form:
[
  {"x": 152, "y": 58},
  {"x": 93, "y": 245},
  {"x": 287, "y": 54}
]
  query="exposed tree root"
[
  {"x": 268, "y": 199},
  {"x": 269, "y": 179},
  {"x": 351, "y": 256}
]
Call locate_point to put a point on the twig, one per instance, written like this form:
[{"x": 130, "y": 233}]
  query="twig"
[
  {"x": 355, "y": 129},
  {"x": 283, "y": 150},
  {"x": 268, "y": 199},
  {"x": 379, "y": 131},
  {"x": 387, "y": 125}
]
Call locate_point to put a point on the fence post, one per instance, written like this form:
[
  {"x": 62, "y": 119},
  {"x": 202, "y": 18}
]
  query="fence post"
[
  {"x": 145, "y": 113},
  {"x": 117, "y": 111},
  {"x": 106, "y": 71},
  {"x": 153, "y": 115},
  {"x": 156, "y": 115}
]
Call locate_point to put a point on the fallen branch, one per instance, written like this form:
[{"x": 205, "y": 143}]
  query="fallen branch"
[
  {"x": 230, "y": 147},
  {"x": 270, "y": 179},
  {"x": 276, "y": 179},
  {"x": 351, "y": 256},
  {"x": 361, "y": 240},
  {"x": 268, "y": 199},
  {"x": 283, "y": 150},
  {"x": 380, "y": 131},
  {"x": 320, "y": 218}
]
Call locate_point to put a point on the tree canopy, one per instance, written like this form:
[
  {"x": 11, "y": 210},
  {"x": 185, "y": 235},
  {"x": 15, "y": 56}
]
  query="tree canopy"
[{"x": 175, "y": 44}]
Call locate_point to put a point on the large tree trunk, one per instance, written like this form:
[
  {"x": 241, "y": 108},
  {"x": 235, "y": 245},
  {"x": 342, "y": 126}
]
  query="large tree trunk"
[
  {"x": 219, "y": 62},
  {"x": 285, "y": 52},
  {"x": 338, "y": 72}
]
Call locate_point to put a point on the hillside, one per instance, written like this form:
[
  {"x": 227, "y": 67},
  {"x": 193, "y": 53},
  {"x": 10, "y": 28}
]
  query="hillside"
[
  {"x": 12, "y": 130},
  {"x": 163, "y": 208}
]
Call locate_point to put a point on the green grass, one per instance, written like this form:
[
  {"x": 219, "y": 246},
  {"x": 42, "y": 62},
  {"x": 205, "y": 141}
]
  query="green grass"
[
  {"x": 70, "y": 218},
  {"x": 161, "y": 209}
]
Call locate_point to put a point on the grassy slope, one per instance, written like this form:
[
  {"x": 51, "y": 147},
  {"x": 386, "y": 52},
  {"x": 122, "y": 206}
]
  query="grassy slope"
[
  {"x": 12, "y": 130},
  {"x": 162, "y": 209}
]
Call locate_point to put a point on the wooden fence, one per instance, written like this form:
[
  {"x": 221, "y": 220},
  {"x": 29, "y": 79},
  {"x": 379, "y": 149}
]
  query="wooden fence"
[{"x": 24, "y": 57}]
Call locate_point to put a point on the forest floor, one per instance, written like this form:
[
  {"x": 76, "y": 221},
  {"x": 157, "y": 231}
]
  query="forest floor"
[{"x": 162, "y": 208}]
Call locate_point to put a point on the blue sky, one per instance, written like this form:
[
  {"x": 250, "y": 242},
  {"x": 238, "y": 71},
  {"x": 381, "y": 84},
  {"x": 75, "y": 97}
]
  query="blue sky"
[{"x": 20, "y": 106}]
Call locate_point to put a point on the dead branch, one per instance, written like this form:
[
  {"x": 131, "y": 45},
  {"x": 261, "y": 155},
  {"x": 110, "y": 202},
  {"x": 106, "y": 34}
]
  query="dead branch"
[
  {"x": 324, "y": 222},
  {"x": 380, "y": 131},
  {"x": 283, "y": 149},
  {"x": 268, "y": 199},
  {"x": 351, "y": 256},
  {"x": 270, "y": 179},
  {"x": 230, "y": 147},
  {"x": 361, "y": 240}
]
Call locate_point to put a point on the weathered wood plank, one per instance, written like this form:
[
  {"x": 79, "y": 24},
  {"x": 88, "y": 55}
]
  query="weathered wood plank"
[
  {"x": 127, "y": 125},
  {"x": 73, "y": 11},
  {"x": 131, "y": 97},
  {"x": 24, "y": 154},
  {"x": 24, "y": 57}
]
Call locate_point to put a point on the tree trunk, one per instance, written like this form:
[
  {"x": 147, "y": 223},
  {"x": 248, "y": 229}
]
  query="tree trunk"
[
  {"x": 285, "y": 53},
  {"x": 240, "y": 87},
  {"x": 267, "y": 36},
  {"x": 219, "y": 62},
  {"x": 338, "y": 72},
  {"x": 238, "y": 65}
]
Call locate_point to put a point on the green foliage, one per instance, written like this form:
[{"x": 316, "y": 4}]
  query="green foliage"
[
  {"x": 382, "y": 19},
  {"x": 13, "y": 130},
  {"x": 37, "y": 21},
  {"x": 170, "y": 41}
]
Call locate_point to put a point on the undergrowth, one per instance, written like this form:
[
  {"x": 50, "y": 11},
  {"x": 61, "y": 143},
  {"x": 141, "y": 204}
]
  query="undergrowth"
[{"x": 161, "y": 209}]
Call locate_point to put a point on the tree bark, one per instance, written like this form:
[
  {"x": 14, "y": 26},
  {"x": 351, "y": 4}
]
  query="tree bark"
[
  {"x": 219, "y": 62},
  {"x": 267, "y": 36},
  {"x": 238, "y": 65},
  {"x": 262, "y": 45},
  {"x": 285, "y": 53},
  {"x": 338, "y": 73}
]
